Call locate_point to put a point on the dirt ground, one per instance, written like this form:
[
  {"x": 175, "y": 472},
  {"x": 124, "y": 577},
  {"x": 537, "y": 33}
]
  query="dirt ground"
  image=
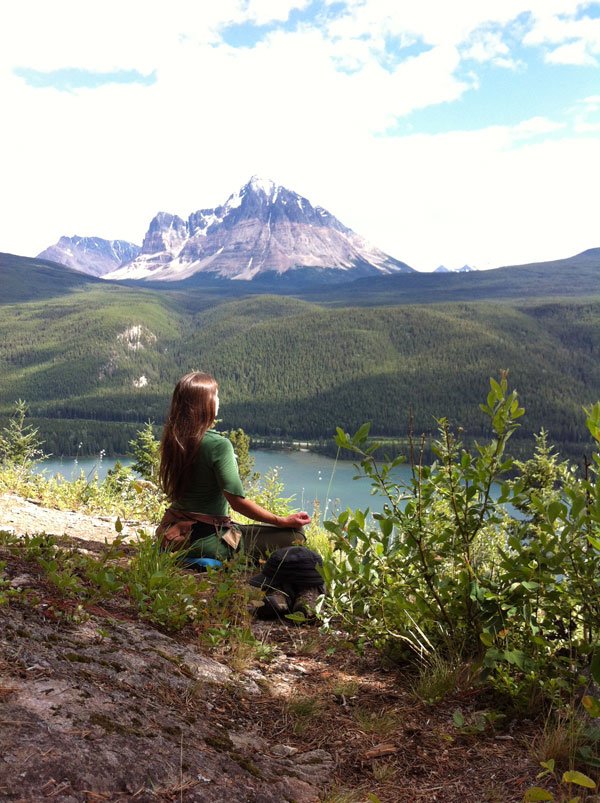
[
  {"x": 97, "y": 705},
  {"x": 26, "y": 516}
]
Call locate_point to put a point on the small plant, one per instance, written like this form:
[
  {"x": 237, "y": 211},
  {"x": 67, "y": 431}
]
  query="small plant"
[
  {"x": 346, "y": 690},
  {"x": 162, "y": 592},
  {"x": 439, "y": 676},
  {"x": 61, "y": 572},
  {"x": 569, "y": 779},
  {"x": 476, "y": 722},
  {"x": 7, "y": 592},
  {"x": 560, "y": 739},
  {"x": 383, "y": 723},
  {"x": 447, "y": 569},
  {"x": 302, "y": 711}
]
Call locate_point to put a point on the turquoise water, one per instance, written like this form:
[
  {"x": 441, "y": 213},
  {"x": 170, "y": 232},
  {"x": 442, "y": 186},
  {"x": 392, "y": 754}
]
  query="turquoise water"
[{"x": 306, "y": 476}]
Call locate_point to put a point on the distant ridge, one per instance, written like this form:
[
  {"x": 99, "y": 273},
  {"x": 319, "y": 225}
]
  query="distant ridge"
[
  {"x": 262, "y": 229},
  {"x": 92, "y": 255},
  {"x": 28, "y": 279},
  {"x": 464, "y": 269}
]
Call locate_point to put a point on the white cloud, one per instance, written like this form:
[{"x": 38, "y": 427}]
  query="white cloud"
[
  {"x": 576, "y": 53},
  {"x": 104, "y": 161},
  {"x": 488, "y": 46},
  {"x": 568, "y": 40},
  {"x": 481, "y": 198}
]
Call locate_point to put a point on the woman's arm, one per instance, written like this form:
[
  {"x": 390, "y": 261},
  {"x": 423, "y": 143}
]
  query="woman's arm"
[{"x": 254, "y": 511}]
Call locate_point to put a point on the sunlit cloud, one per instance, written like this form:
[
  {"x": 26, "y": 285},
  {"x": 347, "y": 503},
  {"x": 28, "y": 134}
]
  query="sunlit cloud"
[{"x": 175, "y": 107}]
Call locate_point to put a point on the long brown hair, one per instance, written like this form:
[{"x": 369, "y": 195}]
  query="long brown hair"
[{"x": 192, "y": 412}]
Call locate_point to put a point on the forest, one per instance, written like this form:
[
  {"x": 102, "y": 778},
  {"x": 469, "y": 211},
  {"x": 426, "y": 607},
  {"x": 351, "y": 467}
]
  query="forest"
[{"x": 95, "y": 360}]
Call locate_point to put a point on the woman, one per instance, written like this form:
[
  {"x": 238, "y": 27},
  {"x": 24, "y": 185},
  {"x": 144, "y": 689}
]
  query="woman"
[{"x": 199, "y": 474}]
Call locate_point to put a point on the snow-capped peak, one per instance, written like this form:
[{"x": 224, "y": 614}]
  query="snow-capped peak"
[
  {"x": 265, "y": 185},
  {"x": 263, "y": 228}
]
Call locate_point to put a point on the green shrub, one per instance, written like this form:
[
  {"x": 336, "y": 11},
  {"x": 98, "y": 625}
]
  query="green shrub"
[{"x": 511, "y": 581}]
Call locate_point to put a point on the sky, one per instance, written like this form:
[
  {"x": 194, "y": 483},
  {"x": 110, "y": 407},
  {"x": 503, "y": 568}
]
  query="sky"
[{"x": 464, "y": 132}]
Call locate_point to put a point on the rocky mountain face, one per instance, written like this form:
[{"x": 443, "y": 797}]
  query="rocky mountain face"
[
  {"x": 91, "y": 255},
  {"x": 262, "y": 228}
]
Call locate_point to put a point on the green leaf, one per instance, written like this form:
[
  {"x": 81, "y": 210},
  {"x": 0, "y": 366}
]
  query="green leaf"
[
  {"x": 516, "y": 657},
  {"x": 572, "y": 776},
  {"x": 118, "y": 525},
  {"x": 591, "y": 705},
  {"x": 593, "y": 420},
  {"x": 555, "y": 509},
  {"x": 458, "y": 718},
  {"x": 342, "y": 439},
  {"x": 549, "y": 765},
  {"x": 297, "y": 617},
  {"x": 537, "y": 793},
  {"x": 361, "y": 434},
  {"x": 498, "y": 392},
  {"x": 595, "y": 542},
  {"x": 487, "y": 639}
]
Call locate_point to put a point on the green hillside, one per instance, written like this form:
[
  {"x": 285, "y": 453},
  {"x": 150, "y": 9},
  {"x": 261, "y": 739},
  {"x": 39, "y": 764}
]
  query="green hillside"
[
  {"x": 96, "y": 360},
  {"x": 24, "y": 279},
  {"x": 576, "y": 276}
]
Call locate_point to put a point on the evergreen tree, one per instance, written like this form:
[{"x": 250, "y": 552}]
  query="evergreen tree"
[
  {"x": 19, "y": 442},
  {"x": 145, "y": 449}
]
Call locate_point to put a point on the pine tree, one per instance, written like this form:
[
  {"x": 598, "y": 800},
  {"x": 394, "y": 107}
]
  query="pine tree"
[{"x": 19, "y": 442}]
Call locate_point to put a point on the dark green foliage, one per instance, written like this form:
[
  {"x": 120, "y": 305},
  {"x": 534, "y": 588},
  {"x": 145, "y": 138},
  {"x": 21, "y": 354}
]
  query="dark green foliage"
[
  {"x": 447, "y": 569},
  {"x": 241, "y": 447},
  {"x": 97, "y": 362},
  {"x": 24, "y": 279},
  {"x": 19, "y": 442},
  {"x": 145, "y": 449}
]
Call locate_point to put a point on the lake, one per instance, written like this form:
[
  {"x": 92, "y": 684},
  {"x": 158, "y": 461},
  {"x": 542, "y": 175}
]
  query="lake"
[{"x": 306, "y": 476}]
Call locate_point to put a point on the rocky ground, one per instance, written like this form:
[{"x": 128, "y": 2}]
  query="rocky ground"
[{"x": 98, "y": 705}]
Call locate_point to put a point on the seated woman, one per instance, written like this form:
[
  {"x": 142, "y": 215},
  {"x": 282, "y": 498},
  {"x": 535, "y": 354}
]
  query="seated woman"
[{"x": 199, "y": 475}]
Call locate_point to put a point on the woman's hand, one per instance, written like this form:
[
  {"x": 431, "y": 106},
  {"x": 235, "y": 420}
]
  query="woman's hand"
[
  {"x": 300, "y": 519},
  {"x": 253, "y": 511}
]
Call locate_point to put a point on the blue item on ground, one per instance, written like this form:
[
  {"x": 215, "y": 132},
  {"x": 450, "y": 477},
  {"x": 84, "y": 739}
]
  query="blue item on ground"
[{"x": 201, "y": 564}]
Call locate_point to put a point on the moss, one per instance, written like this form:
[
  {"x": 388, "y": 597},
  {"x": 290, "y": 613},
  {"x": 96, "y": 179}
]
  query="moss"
[
  {"x": 221, "y": 742},
  {"x": 246, "y": 764},
  {"x": 77, "y": 658},
  {"x": 172, "y": 730},
  {"x": 111, "y": 725}
]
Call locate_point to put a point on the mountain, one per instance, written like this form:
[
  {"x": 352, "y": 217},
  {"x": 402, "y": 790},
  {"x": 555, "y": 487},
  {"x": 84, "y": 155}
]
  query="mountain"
[
  {"x": 97, "y": 362},
  {"x": 95, "y": 359},
  {"x": 91, "y": 255},
  {"x": 464, "y": 269},
  {"x": 261, "y": 229}
]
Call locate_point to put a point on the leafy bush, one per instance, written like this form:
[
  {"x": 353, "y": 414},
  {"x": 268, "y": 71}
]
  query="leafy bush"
[{"x": 509, "y": 579}]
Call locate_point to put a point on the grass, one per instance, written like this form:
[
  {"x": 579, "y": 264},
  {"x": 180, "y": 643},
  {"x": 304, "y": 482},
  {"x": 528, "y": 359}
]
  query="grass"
[
  {"x": 302, "y": 711},
  {"x": 562, "y": 736},
  {"x": 440, "y": 676},
  {"x": 121, "y": 493},
  {"x": 381, "y": 723}
]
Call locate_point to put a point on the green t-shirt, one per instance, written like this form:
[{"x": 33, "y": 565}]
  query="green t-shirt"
[{"x": 214, "y": 471}]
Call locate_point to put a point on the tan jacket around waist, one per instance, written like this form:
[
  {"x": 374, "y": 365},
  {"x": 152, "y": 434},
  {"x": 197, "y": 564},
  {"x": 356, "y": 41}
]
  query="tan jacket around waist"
[{"x": 176, "y": 525}]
